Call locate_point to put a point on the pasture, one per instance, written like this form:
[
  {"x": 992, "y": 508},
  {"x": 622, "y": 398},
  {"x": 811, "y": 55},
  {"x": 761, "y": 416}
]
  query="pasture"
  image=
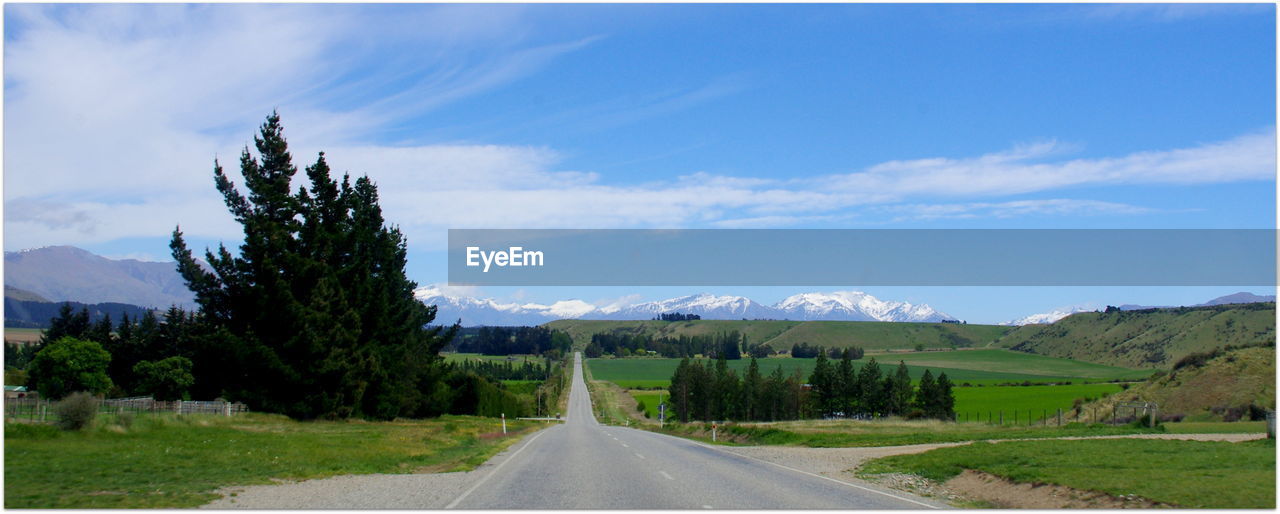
[
  {"x": 22, "y": 335},
  {"x": 1186, "y": 474},
  {"x": 987, "y": 367}
]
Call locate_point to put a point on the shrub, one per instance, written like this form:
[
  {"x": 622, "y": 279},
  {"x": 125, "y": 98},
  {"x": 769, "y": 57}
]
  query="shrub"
[
  {"x": 76, "y": 411},
  {"x": 640, "y": 405},
  {"x": 914, "y": 414},
  {"x": 125, "y": 419}
]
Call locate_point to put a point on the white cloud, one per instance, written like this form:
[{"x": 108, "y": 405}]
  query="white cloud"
[
  {"x": 1013, "y": 209},
  {"x": 116, "y": 111}
]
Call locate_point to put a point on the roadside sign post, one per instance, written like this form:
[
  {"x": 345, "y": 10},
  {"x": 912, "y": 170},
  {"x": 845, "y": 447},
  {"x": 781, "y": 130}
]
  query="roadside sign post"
[
  {"x": 713, "y": 432},
  {"x": 662, "y": 413},
  {"x": 504, "y": 422}
]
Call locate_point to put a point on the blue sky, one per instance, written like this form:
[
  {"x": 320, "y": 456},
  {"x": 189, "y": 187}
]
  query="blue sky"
[{"x": 639, "y": 116}]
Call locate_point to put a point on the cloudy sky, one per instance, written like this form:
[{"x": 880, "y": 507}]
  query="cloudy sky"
[{"x": 639, "y": 116}]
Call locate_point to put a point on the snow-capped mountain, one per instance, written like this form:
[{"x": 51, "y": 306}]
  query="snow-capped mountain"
[
  {"x": 834, "y": 306},
  {"x": 1046, "y": 318},
  {"x": 708, "y": 306},
  {"x": 854, "y": 306}
]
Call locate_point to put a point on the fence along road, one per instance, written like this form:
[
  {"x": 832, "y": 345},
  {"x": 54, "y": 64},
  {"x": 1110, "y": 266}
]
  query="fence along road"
[{"x": 584, "y": 465}]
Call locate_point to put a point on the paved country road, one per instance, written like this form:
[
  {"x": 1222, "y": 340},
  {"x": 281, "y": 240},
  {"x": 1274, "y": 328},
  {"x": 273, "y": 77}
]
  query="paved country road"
[{"x": 584, "y": 465}]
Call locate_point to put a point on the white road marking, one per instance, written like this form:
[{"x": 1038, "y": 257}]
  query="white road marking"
[
  {"x": 664, "y": 474},
  {"x": 497, "y": 468},
  {"x": 706, "y": 506},
  {"x": 624, "y": 445},
  {"x": 638, "y": 455}
]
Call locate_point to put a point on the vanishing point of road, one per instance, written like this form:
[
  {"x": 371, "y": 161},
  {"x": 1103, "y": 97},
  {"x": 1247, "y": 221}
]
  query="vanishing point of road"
[{"x": 582, "y": 464}]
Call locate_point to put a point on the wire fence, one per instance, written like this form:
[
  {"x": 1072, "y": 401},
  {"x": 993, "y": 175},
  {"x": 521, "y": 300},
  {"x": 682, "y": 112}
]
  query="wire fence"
[
  {"x": 37, "y": 409},
  {"x": 1113, "y": 415}
]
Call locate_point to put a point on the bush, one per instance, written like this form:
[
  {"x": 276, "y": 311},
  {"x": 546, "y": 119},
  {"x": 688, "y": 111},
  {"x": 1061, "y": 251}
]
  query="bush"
[
  {"x": 640, "y": 405},
  {"x": 76, "y": 411},
  {"x": 125, "y": 419},
  {"x": 914, "y": 414}
]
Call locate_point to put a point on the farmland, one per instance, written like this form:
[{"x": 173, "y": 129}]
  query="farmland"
[
  {"x": 986, "y": 367},
  {"x": 963, "y": 367},
  {"x": 782, "y": 335}
]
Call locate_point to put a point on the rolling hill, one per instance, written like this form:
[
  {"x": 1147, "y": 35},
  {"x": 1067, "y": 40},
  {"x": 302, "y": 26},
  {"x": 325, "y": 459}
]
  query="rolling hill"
[
  {"x": 1222, "y": 386},
  {"x": 1151, "y": 338},
  {"x": 782, "y": 335}
]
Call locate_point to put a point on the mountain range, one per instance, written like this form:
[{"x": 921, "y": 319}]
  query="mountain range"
[
  {"x": 831, "y": 306},
  {"x": 67, "y": 273},
  {"x": 1055, "y": 315}
]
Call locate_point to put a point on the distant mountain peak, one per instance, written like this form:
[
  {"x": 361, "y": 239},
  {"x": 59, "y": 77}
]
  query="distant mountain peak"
[
  {"x": 67, "y": 273},
  {"x": 834, "y": 306}
]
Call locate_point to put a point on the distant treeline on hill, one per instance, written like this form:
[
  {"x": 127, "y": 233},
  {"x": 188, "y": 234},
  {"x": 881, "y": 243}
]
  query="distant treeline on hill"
[
  {"x": 511, "y": 341},
  {"x": 724, "y": 344},
  {"x": 35, "y": 314},
  {"x": 676, "y": 316}
]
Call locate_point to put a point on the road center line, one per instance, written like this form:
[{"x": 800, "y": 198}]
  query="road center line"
[
  {"x": 497, "y": 468},
  {"x": 624, "y": 445},
  {"x": 638, "y": 455},
  {"x": 706, "y": 506},
  {"x": 664, "y": 474}
]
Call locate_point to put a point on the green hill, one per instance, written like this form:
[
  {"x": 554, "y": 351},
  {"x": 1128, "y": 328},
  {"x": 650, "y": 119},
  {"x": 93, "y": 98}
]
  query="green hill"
[
  {"x": 1150, "y": 338},
  {"x": 1218, "y": 385},
  {"x": 782, "y": 335}
]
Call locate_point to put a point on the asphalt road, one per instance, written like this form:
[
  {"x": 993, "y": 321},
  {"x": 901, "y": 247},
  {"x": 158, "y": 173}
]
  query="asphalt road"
[{"x": 584, "y": 465}]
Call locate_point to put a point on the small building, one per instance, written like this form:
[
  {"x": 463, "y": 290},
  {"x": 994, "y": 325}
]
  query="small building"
[{"x": 14, "y": 392}]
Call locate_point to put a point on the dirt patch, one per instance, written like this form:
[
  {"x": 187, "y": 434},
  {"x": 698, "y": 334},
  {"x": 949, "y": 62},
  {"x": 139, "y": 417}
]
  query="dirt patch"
[{"x": 1003, "y": 493}]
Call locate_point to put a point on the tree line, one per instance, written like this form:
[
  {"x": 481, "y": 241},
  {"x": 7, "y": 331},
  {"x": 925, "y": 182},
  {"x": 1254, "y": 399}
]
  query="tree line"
[
  {"x": 704, "y": 390},
  {"x": 513, "y": 341},
  {"x": 676, "y": 316},
  {"x": 722, "y": 344}
]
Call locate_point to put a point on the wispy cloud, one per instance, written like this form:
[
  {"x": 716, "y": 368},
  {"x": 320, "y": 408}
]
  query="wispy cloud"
[{"x": 115, "y": 112}]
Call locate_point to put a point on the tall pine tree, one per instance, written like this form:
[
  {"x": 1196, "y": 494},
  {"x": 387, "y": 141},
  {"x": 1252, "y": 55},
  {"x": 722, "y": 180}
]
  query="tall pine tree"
[{"x": 314, "y": 313}]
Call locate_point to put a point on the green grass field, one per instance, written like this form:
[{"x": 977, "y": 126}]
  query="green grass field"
[
  {"x": 782, "y": 334},
  {"x": 1189, "y": 474},
  {"x": 1026, "y": 403},
  {"x": 459, "y": 357},
  {"x": 22, "y": 335},
  {"x": 168, "y": 462},
  {"x": 973, "y": 366},
  {"x": 973, "y": 404}
]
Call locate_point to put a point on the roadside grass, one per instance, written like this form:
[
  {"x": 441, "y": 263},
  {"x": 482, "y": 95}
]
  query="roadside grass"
[
  {"x": 1188, "y": 474},
  {"x": 849, "y": 433},
  {"x": 168, "y": 461}
]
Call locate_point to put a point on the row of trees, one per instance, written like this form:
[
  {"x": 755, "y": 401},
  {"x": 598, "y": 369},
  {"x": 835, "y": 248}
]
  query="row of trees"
[
  {"x": 707, "y": 391},
  {"x": 676, "y": 316},
  {"x": 804, "y": 351},
  {"x": 841, "y": 390},
  {"x": 514, "y": 341},
  {"x": 728, "y": 345}
]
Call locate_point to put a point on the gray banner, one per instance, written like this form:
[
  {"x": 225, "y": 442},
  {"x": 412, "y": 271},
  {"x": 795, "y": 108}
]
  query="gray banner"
[{"x": 787, "y": 257}]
